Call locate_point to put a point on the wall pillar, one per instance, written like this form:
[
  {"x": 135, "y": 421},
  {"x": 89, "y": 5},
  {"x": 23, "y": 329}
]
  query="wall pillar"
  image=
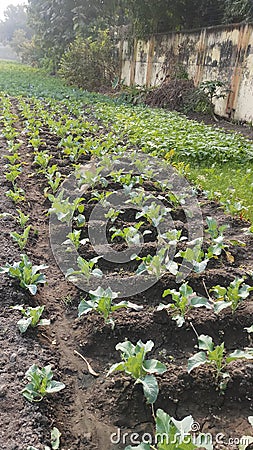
[
  {"x": 151, "y": 50},
  {"x": 133, "y": 63},
  {"x": 241, "y": 53}
]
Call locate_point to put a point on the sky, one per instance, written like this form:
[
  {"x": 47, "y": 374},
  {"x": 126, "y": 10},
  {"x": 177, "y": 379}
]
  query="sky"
[{"x": 5, "y": 3}]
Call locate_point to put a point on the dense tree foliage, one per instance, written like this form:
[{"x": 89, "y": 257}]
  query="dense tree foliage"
[
  {"x": 238, "y": 10},
  {"x": 58, "y": 23},
  {"x": 15, "y": 19}
]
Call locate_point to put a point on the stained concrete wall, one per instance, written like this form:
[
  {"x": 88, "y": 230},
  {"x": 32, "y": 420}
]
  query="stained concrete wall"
[{"x": 217, "y": 53}]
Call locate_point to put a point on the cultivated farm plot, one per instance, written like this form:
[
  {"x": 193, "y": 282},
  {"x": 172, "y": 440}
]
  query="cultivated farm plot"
[{"x": 192, "y": 297}]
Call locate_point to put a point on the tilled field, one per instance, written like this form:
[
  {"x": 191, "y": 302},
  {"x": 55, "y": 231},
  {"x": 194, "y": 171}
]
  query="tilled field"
[{"x": 93, "y": 405}]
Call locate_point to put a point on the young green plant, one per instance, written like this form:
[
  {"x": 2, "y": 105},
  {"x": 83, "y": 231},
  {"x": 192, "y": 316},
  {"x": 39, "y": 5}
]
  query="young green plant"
[
  {"x": 74, "y": 237},
  {"x": 173, "y": 434},
  {"x": 31, "y": 317},
  {"x": 142, "y": 370},
  {"x": 86, "y": 269},
  {"x": 40, "y": 384},
  {"x": 129, "y": 234},
  {"x": 29, "y": 276},
  {"x": 21, "y": 239},
  {"x": 156, "y": 265},
  {"x": 102, "y": 301},
  {"x": 183, "y": 301},
  {"x": 215, "y": 356},
  {"x": 232, "y": 296}
]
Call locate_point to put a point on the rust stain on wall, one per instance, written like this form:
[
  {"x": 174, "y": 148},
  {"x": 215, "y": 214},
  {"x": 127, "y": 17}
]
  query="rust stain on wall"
[
  {"x": 200, "y": 58},
  {"x": 151, "y": 50},
  {"x": 133, "y": 63},
  {"x": 241, "y": 53},
  {"x": 217, "y": 53},
  {"x": 120, "y": 59}
]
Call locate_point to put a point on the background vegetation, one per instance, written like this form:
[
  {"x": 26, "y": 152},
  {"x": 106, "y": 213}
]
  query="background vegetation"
[{"x": 44, "y": 32}]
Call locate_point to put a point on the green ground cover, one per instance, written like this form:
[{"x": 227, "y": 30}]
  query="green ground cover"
[{"x": 221, "y": 163}]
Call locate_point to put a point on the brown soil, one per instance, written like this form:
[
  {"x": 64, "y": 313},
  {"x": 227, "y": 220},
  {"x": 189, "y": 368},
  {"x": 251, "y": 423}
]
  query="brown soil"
[
  {"x": 220, "y": 122},
  {"x": 91, "y": 408}
]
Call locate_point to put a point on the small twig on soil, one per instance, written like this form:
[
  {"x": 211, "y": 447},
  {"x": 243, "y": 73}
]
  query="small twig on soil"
[
  {"x": 53, "y": 342},
  {"x": 46, "y": 337},
  {"x": 153, "y": 411},
  {"x": 95, "y": 374},
  {"x": 207, "y": 293},
  {"x": 194, "y": 329}
]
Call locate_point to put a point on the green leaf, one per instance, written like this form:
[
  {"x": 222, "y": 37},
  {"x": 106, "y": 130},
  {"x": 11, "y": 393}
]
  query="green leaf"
[
  {"x": 162, "y": 423},
  {"x": 32, "y": 288},
  {"x": 205, "y": 342},
  {"x": 197, "y": 302},
  {"x": 162, "y": 306},
  {"x": 247, "y": 440},
  {"x": 184, "y": 426},
  {"x": 35, "y": 314},
  {"x": 84, "y": 307},
  {"x": 139, "y": 447},
  {"x": 133, "y": 365},
  {"x": 199, "y": 267},
  {"x": 127, "y": 348},
  {"x": 23, "y": 324},
  {"x": 172, "y": 267},
  {"x": 55, "y": 438},
  {"x": 150, "y": 388},
  {"x": 44, "y": 322},
  {"x": 220, "y": 305},
  {"x": 129, "y": 305},
  {"x": 154, "y": 366},
  {"x": 219, "y": 291},
  {"x": 196, "y": 361},
  {"x": 55, "y": 386},
  {"x": 240, "y": 354},
  {"x": 216, "y": 355},
  {"x": 179, "y": 319},
  {"x": 18, "y": 308},
  {"x": 97, "y": 273},
  {"x": 167, "y": 292},
  {"x": 116, "y": 367},
  {"x": 147, "y": 346},
  {"x": 185, "y": 290},
  {"x": 244, "y": 291}
]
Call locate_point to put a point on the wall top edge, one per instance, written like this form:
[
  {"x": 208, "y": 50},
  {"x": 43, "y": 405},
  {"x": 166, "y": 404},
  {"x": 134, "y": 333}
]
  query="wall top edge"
[{"x": 224, "y": 27}]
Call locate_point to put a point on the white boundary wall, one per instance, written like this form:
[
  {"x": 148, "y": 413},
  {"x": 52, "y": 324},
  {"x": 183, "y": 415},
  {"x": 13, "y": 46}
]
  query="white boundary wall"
[{"x": 217, "y": 53}]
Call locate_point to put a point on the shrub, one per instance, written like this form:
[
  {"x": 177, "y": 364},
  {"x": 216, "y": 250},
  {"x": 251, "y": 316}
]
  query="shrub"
[{"x": 89, "y": 63}]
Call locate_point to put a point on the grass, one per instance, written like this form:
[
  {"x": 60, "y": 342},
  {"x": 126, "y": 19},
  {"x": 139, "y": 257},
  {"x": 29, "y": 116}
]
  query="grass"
[
  {"x": 230, "y": 184},
  {"x": 220, "y": 163}
]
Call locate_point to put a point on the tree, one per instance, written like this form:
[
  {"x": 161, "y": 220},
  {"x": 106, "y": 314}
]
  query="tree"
[
  {"x": 15, "y": 19},
  {"x": 89, "y": 63},
  {"x": 53, "y": 25},
  {"x": 57, "y": 23},
  {"x": 238, "y": 11}
]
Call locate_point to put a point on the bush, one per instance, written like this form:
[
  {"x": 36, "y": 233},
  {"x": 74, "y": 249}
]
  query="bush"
[
  {"x": 172, "y": 94},
  {"x": 25, "y": 48},
  {"x": 90, "y": 63}
]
